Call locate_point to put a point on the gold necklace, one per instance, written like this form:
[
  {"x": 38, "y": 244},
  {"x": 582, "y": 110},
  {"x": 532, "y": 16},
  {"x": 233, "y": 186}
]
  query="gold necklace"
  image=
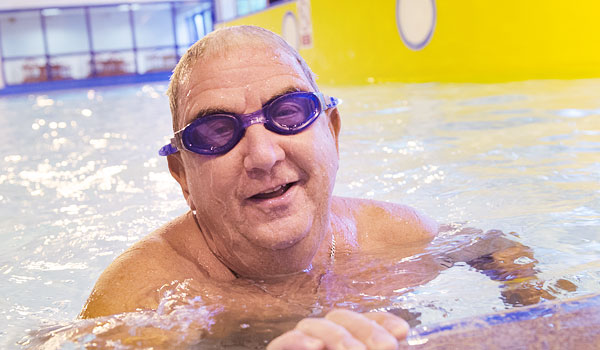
[{"x": 332, "y": 248}]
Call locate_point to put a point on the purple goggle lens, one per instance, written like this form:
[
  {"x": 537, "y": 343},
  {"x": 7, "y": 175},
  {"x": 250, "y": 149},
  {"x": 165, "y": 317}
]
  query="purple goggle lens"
[{"x": 219, "y": 133}]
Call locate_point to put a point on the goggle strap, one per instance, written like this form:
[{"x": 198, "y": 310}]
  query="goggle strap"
[
  {"x": 328, "y": 101},
  {"x": 169, "y": 148},
  {"x": 334, "y": 102}
]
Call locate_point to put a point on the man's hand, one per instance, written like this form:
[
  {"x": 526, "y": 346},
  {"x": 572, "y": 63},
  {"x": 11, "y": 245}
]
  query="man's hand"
[{"x": 343, "y": 329}]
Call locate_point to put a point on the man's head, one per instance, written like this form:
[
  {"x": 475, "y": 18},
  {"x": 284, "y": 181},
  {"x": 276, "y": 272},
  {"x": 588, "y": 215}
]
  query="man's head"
[
  {"x": 219, "y": 42},
  {"x": 263, "y": 206}
]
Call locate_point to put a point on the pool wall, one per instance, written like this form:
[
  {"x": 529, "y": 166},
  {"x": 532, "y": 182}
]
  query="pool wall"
[
  {"x": 358, "y": 42},
  {"x": 568, "y": 324}
]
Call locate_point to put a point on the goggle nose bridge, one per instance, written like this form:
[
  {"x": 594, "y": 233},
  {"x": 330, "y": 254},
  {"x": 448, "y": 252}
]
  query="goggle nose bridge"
[{"x": 249, "y": 119}]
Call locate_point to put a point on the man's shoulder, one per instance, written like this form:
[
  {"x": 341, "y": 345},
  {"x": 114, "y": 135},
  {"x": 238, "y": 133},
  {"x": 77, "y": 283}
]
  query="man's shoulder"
[
  {"x": 133, "y": 279},
  {"x": 155, "y": 251},
  {"x": 385, "y": 222}
]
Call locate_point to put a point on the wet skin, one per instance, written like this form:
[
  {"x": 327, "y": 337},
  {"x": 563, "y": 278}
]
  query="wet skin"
[{"x": 263, "y": 210}]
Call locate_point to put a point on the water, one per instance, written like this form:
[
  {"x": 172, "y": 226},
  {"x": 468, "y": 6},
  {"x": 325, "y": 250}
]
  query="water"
[{"x": 81, "y": 181}]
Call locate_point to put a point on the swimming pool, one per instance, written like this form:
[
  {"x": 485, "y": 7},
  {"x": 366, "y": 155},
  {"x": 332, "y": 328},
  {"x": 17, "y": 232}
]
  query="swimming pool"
[{"x": 81, "y": 181}]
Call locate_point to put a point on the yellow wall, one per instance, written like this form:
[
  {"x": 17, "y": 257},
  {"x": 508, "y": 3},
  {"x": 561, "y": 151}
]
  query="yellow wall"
[{"x": 473, "y": 41}]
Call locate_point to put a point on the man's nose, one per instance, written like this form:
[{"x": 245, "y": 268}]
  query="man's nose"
[{"x": 262, "y": 149}]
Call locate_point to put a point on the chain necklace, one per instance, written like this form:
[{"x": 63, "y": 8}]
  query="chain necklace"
[{"x": 332, "y": 249}]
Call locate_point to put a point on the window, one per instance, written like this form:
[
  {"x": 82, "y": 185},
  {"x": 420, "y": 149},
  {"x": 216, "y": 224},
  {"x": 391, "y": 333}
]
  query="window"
[
  {"x": 248, "y": 6},
  {"x": 22, "y": 34},
  {"x": 111, "y": 28},
  {"x": 153, "y": 25},
  {"x": 66, "y": 31},
  {"x": 90, "y": 41}
]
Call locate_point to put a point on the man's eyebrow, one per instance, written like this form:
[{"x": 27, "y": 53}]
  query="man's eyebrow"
[
  {"x": 211, "y": 110},
  {"x": 282, "y": 92},
  {"x": 208, "y": 111}
]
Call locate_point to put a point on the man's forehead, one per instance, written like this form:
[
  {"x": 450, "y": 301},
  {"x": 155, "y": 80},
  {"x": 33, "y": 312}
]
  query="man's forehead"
[
  {"x": 249, "y": 59},
  {"x": 236, "y": 100},
  {"x": 227, "y": 81}
]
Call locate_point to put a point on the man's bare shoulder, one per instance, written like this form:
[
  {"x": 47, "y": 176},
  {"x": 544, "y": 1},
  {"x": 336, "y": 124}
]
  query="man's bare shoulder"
[
  {"x": 132, "y": 281},
  {"x": 384, "y": 222}
]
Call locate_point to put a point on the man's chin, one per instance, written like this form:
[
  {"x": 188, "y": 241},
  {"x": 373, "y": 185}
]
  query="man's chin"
[
  {"x": 279, "y": 233},
  {"x": 277, "y": 239}
]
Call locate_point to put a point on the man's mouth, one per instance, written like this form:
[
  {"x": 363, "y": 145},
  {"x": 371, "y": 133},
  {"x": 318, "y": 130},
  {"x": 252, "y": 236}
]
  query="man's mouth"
[{"x": 273, "y": 192}]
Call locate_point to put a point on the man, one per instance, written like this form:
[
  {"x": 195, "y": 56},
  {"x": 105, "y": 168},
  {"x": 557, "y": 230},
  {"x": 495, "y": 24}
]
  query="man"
[{"x": 256, "y": 154}]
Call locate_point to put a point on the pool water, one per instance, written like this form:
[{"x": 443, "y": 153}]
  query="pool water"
[{"x": 81, "y": 181}]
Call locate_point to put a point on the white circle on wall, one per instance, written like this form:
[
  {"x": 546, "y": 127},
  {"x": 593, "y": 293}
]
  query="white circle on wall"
[
  {"x": 416, "y": 21},
  {"x": 289, "y": 30}
]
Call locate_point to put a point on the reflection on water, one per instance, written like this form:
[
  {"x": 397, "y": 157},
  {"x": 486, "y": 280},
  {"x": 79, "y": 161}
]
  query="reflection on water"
[{"x": 81, "y": 181}]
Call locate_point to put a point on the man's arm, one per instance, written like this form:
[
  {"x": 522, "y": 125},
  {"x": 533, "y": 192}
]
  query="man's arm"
[{"x": 502, "y": 258}]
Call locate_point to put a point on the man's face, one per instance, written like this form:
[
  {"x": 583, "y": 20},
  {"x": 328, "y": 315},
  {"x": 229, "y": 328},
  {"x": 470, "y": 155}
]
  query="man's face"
[{"x": 263, "y": 207}]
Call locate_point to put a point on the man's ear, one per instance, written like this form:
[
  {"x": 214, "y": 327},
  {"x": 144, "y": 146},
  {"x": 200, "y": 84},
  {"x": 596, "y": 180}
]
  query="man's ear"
[
  {"x": 335, "y": 124},
  {"x": 177, "y": 170}
]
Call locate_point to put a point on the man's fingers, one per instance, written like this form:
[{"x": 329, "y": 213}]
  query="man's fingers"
[
  {"x": 296, "y": 340},
  {"x": 332, "y": 334},
  {"x": 364, "y": 329},
  {"x": 392, "y": 323},
  {"x": 344, "y": 330}
]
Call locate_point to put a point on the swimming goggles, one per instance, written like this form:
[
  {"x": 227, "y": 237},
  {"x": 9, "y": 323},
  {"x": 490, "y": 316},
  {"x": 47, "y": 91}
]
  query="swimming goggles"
[{"x": 217, "y": 134}]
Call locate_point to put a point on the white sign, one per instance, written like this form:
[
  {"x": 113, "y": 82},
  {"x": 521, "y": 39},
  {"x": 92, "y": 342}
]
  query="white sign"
[
  {"x": 416, "y": 21},
  {"x": 305, "y": 23},
  {"x": 289, "y": 30}
]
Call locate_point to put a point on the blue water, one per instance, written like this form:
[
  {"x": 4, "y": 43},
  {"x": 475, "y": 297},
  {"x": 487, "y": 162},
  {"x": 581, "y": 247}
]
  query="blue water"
[{"x": 81, "y": 181}]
